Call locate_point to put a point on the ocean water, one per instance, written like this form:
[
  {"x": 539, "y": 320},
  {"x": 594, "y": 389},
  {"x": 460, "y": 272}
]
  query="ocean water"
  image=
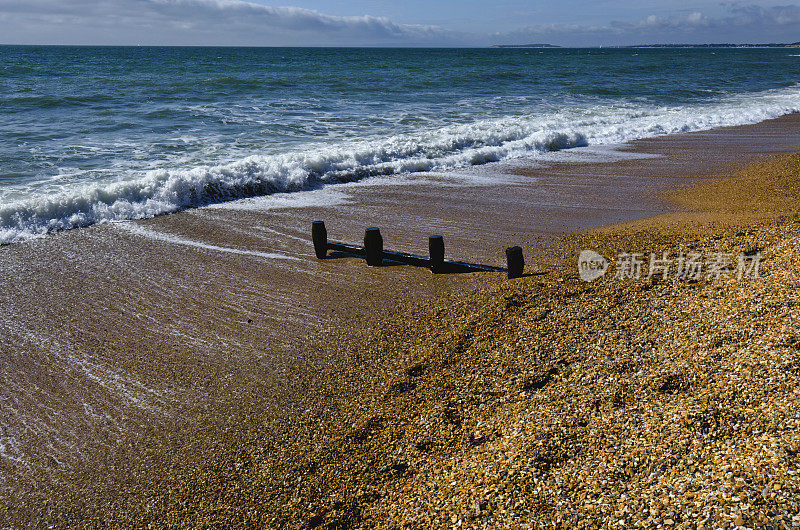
[{"x": 94, "y": 134}]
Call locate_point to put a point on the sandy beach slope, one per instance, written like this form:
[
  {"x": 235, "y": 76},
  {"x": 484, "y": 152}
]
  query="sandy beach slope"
[
  {"x": 553, "y": 402},
  {"x": 201, "y": 368}
]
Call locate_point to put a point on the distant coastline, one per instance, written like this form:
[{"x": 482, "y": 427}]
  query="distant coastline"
[
  {"x": 524, "y": 46},
  {"x": 716, "y": 45}
]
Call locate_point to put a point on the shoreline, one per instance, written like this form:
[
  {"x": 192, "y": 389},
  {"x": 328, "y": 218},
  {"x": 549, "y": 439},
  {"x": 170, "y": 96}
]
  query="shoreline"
[
  {"x": 221, "y": 351},
  {"x": 552, "y": 401}
]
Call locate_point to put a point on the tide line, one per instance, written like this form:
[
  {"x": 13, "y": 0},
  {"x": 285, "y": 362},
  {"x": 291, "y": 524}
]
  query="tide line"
[{"x": 177, "y": 240}]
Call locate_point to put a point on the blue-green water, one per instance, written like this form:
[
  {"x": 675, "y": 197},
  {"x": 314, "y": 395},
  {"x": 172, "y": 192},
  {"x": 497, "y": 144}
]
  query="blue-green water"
[{"x": 96, "y": 134}]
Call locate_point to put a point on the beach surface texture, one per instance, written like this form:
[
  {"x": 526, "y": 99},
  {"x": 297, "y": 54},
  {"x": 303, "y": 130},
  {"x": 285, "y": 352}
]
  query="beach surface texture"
[
  {"x": 173, "y": 354},
  {"x": 552, "y": 401},
  {"x": 669, "y": 398}
]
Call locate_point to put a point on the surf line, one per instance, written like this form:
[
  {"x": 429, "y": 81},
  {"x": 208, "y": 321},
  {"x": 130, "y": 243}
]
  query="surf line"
[{"x": 177, "y": 240}]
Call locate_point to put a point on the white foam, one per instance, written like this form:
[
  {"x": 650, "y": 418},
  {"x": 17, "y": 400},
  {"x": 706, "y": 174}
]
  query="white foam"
[
  {"x": 325, "y": 196},
  {"x": 305, "y": 199},
  {"x": 177, "y": 240},
  {"x": 160, "y": 191},
  {"x": 29, "y": 414}
]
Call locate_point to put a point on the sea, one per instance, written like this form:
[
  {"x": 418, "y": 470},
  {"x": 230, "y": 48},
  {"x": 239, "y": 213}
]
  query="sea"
[{"x": 102, "y": 134}]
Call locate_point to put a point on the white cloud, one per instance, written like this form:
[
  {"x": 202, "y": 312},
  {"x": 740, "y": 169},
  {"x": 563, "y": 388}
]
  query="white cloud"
[
  {"x": 740, "y": 23},
  {"x": 225, "y": 21},
  {"x": 753, "y": 14},
  {"x": 652, "y": 21},
  {"x": 237, "y": 22},
  {"x": 696, "y": 18}
]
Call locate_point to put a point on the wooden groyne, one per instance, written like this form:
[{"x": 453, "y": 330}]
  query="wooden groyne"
[{"x": 375, "y": 255}]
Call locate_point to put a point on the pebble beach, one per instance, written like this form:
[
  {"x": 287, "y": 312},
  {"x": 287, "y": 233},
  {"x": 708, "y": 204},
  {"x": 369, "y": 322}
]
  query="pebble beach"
[
  {"x": 554, "y": 402},
  {"x": 174, "y": 352},
  {"x": 210, "y": 372}
]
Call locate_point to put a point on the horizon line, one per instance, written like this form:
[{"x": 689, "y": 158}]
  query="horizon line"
[{"x": 367, "y": 46}]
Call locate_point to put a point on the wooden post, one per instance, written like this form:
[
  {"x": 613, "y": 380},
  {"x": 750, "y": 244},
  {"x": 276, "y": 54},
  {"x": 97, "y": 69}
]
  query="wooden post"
[
  {"x": 319, "y": 235},
  {"x": 436, "y": 253},
  {"x": 373, "y": 246},
  {"x": 516, "y": 262}
]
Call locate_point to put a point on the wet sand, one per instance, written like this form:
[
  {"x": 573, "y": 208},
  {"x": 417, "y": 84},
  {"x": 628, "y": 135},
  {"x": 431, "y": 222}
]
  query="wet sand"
[{"x": 133, "y": 348}]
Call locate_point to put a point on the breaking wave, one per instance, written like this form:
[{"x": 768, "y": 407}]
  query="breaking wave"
[{"x": 146, "y": 194}]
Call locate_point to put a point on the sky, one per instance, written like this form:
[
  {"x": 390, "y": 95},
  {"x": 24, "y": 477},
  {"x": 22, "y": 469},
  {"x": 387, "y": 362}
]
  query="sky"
[{"x": 396, "y": 22}]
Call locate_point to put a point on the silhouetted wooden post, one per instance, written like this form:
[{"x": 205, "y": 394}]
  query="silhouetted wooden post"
[
  {"x": 436, "y": 253},
  {"x": 373, "y": 246},
  {"x": 516, "y": 262},
  {"x": 319, "y": 235}
]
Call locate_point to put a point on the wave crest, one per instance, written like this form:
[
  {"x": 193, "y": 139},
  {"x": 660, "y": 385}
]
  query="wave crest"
[{"x": 165, "y": 191}]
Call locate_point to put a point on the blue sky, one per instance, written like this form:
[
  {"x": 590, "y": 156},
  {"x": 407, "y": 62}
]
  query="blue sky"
[{"x": 395, "y": 23}]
